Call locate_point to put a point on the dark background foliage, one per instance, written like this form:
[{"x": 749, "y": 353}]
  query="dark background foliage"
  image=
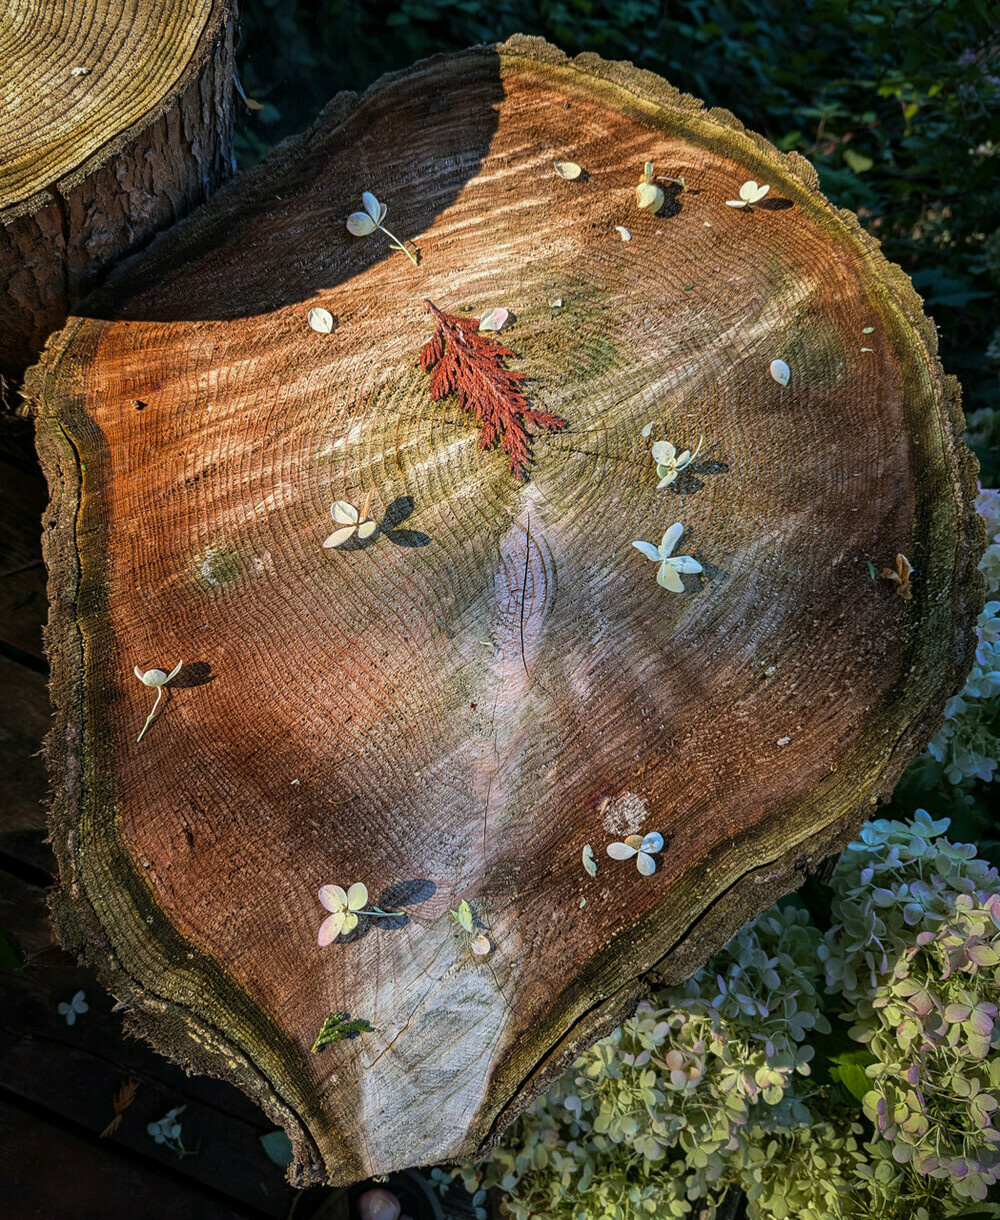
[{"x": 897, "y": 104}]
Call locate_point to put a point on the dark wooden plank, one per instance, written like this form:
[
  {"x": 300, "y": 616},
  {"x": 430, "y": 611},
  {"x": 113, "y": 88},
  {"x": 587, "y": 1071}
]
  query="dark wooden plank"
[
  {"x": 23, "y": 603},
  {"x": 24, "y": 916},
  {"x": 75, "y": 1070},
  {"x": 49, "y": 1174},
  {"x": 24, "y": 721}
]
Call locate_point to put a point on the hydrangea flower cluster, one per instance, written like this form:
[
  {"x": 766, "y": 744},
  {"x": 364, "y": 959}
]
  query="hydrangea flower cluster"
[
  {"x": 708, "y": 1086},
  {"x": 915, "y": 950},
  {"x": 968, "y": 743},
  {"x": 645, "y": 1120}
]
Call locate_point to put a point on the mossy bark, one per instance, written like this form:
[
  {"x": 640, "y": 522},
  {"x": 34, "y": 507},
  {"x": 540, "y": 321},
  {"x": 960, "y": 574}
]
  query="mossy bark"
[{"x": 449, "y": 710}]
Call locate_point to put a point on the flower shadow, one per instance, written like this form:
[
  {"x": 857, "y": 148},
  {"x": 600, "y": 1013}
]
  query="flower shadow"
[
  {"x": 398, "y": 511},
  {"x": 688, "y": 482},
  {"x": 197, "y": 673},
  {"x": 401, "y": 894}
]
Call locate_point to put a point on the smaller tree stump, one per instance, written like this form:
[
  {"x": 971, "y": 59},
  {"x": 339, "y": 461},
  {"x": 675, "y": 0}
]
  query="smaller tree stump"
[{"x": 117, "y": 121}]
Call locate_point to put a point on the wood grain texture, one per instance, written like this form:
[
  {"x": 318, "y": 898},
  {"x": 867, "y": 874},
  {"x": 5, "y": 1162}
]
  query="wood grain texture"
[
  {"x": 117, "y": 120},
  {"x": 443, "y": 711}
]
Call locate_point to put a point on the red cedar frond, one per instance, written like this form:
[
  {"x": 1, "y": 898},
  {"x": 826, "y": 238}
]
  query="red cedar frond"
[
  {"x": 462, "y": 361},
  {"x": 120, "y": 1102}
]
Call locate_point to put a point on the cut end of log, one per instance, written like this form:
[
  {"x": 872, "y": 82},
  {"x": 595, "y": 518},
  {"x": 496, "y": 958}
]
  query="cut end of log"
[
  {"x": 452, "y": 706},
  {"x": 121, "y": 123}
]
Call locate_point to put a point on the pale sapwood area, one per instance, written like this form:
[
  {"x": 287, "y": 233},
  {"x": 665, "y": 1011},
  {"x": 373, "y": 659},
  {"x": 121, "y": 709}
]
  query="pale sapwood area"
[
  {"x": 454, "y": 706},
  {"x": 116, "y": 119}
]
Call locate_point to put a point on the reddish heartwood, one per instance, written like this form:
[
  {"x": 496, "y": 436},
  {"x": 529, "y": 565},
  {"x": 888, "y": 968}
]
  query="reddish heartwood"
[{"x": 461, "y": 360}]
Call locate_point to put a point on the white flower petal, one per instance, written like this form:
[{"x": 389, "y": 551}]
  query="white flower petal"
[
  {"x": 333, "y": 897},
  {"x": 780, "y": 371},
  {"x": 381, "y": 212},
  {"x": 648, "y": 428},
  {"x": 174, "y": 672},
  {"x": 667, "y": 477},
  {"x": 321, "y": 320},
  {"x": 663, "y": 452},
  {"x": 137, "y": 671},
  {"x": 567, "y": 169},
  {"x": 649, "y": 196},
  {"x": 344, "y": 513},
  {"x": 645, "y": 864},
  {"x": 748, "y": 191},
  {"x": 652, "y": 842},
  {"x": 736, "y": 203},
  {"x": 624, "y": 234},
  {"x": 339, "y": 537},
  {"x": 360, "y": 224},
  {"x": 480, "y": 944},
  {"x": 357, "y": 896},
  {"x": 330, "y": 928},
  {"x": 589, "y": 863},
  {"x": 670, "y": 539},
  {"x": 620, "y": 851},
  {"x": 668, "y": 578},
  {"x": 350, "y": 922},
  {"x": 493, "y": 319},
  {"x": 154, "y": 677},
  {"x": 366, "y": 529},
  {"x": 647, "y": 549},
  {"x": 685, "y": 563},
  {"x": 371, "y": 205},
  {"x": 759, "y": 194}
]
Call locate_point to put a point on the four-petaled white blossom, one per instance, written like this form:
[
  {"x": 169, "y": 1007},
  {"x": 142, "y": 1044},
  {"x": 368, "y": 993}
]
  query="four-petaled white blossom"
[
  {"x": 750, "y": 193},
  {"x": 343, "y": 906},
  {"x": 350, "y": 521},
  {"x": 360, "y": 224},
  {"x": 669, "y": 463},
  {"x": 670, "y": 565},
  {"x": 158, "y": 679},
  {"x": 642, "y": 847},
  {"x": 77, "y": 1006},
  {"x": 167, "y": 1130}
]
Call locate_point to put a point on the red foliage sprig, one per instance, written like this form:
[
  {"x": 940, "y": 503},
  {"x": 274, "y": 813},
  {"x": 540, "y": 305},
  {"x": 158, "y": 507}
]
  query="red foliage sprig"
[{"x": 462, "y": 361}]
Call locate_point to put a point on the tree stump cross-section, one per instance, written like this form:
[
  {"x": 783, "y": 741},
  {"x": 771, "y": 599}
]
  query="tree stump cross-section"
[{"x": 454, "y": 706}]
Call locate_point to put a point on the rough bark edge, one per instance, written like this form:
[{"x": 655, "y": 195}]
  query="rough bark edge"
[
  {"x": 720, "y": 919},
  {"x": 211, "y": 40},
  {"x": 172, "y": 1029},
  {"x": 131, "y": 210}
]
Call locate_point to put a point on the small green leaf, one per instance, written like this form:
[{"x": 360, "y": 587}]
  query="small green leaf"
[
  {"x": 858, "y": 161},
  {"x": 849, "y": 1070},
  {"x": 589, "y": 863},
  {"x": 464, "y": 916},
  {"x": 867, "y": 330},
  {"x": 337, "y": 1027},
  {"x": 871, "y": 568}
]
